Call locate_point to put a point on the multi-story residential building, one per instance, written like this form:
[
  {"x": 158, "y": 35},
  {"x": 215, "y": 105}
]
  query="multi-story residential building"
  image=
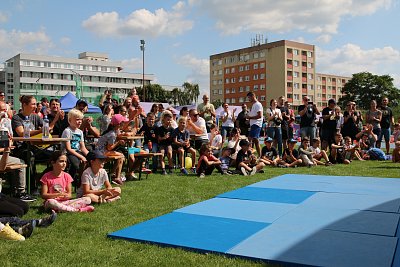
[
  {"x": 270, "y": 70},
  {"x": 50, "y": 76}
]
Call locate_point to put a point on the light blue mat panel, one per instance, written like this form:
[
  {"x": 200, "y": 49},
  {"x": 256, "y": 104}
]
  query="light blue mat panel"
[
  {"x": 291, "y": 219},
  {"x": 192, "y": 231},
  {"x": 269, "y": 195},
  {"x": 257, "y": 211}
]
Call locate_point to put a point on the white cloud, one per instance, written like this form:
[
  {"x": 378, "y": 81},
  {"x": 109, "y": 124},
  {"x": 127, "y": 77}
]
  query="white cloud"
[
  {"x": 199, "y": 71},
  {"x": 141, "y": 22},
  {"x": 65, "y": 40},
  {"x": 351, "y": 58},
  {"x": 3, "y": 17},
  {"x": 324, "y": 39},
  {"x": 15, "y": 41},
  {"x": 319, "y": 17},
  {"x": 133, "y": 64}
]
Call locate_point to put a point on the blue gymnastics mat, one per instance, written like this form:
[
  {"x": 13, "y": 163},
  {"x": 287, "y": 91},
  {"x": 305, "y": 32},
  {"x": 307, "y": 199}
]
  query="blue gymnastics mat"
[{"x": 290, "y": 219}]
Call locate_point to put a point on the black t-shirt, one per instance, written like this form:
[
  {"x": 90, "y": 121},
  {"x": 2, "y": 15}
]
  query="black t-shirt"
[
  {"x": 286, "y": 152},
  {"x": 270, "y": 154},
  {"x": 60, "y": 125},
  {"x": 242, "y": 156},
  {"x": 284, "y": 121},
  {"x": 387, "y": 115},
  {"x": 308, "y": 119},
  {"x": 162, "y": 132},
  {"x": 243, "y": 123},
  {"x": 18, "y": 120},
  {"x": 149, "y": 133},
  {"x": 180, "y": 136},
  {"x": 328, "y": 124}
]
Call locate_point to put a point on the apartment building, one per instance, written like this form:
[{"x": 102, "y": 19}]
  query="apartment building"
[
  {"x": 271, "y": 70},
  {"x": 51, "y": 76}
]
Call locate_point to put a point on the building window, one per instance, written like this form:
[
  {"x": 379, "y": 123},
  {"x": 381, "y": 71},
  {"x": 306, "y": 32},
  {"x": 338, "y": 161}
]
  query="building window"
[
  {"x": 319, "y": 78},
  {"x": 295, "y": 74},
  {"x": 227, "y": 80},
  {"x": 241, "y": 68},
  {"x": 289, "y": 96},
  {"x": 262, "y": 98},
  {"x": 295, "y": 63},
  {"x": 309, "y": 65},
  {"x": 262, "y": 54},
  {"x": 220, "y": 82},
  {"x": 255, "y": 77},
  {"x": 255, "y": 66},
  {"x": 228, "y": 100},
  {"x": 241, "y": 99},
  {"x": 220, "y": 91},
  {"x": 247, "y": 78},
  {"x": 255, "y": 87},
  {"x": 329, "y": 87},
  {"x": 241, "y": 58},
  {"x": 255, "y": 55},
  {"x": 296, "y": 86},
  {"x": 220, "y": 62},
  {"x": 247, "y": 88},
  {"x": 309, "y": 54},
  {"x": 240, "y": 79},
  {"x": 310, "y": 76},
  {"x": 262, "y": 86},
  {"x": 329, "y": 80},
  {"x": 295, "y": 52},
  {"x": 233, "y": 90},
  {"x": 220, "y": 72},
  {"x": 296, "y": 97},
  {"x": 233, "y": 101},
  {"x": 233, "y": 70},
  {"x": 247, "y": 67},
  {"x": 215, "y": 91},
  {"x": 227, "y": 91},
  {"x": 226, "y": 71},
  {"x": 233, "y": 80},
  {"x": 262, "y": 76},
  {"x": 310, "y": 87},
  {"x": 319, "y": 95},
  {"x": 246, "y": 57},
  {"x": 319, "y": 87}
]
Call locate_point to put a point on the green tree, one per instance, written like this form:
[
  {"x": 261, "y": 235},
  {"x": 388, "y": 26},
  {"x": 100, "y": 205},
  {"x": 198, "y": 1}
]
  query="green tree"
[
  {"x": 365, "y": 86},
  {"x": 217, "y": 103},
  {"x": 192, "y": 92}
]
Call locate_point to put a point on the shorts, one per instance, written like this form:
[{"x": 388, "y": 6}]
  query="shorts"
[
  {"x": 226, "y": 131},
  {"x": 384, "y": 133},
  {"x": 165, "y": 148},
  {"x": 176, "y": 147},
  {"x": 255, "y": 131}
]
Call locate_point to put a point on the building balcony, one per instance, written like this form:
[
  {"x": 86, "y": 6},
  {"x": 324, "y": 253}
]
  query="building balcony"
[
  {"x": 334, "y": 91},
  {"x": 304, "y": 57},
  {"x": 290, "y": 66},
  {"x": 324, "y": 91},
  {"x": 304, "y": 79},
  {"x": 290, "y": 55},
  {"x": 290, "y": 100},
  {"x": 289, "y": 89},
  {"x": 290, "y": 78},
  {"x": 323, "y": 82},
  {"x": 304, "y": 90},
  {"x": 304, "y": 69}
]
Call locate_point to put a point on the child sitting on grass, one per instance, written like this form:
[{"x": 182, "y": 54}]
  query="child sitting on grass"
[
  {"x": 306, "y": 154},
  {"x": 75, "y": 148},
  {"x": 338, "y": 150},
  {"x": 57, "y": 188},
  {"x": 350, "y": 150},
  {"x": 95, "y": 182},
  {"x": 319, "y": 154},
  {"x": 226, "y": 160},
  {"x": 269, "y": 154},
  {"x": 148, "y": 130},
  {"x": 181, "y": 143},
  {"x": 207, "y": 162},
  {"x": 290, "y": 157},
  {"x": 246, "y": 162},
  {"x": 164, "y": 133},
  {"x": 396, "y": 152},
  {"x": 215, "y": 140}
]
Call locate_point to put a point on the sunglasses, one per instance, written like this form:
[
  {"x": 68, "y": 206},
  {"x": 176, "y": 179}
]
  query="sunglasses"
[{"x": 195, "y": 115}]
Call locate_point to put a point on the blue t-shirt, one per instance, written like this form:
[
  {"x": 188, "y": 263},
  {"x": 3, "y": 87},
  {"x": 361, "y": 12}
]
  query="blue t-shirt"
[
  {"x": 76, "y": 137},
  {"x": 225, "y": 162}
]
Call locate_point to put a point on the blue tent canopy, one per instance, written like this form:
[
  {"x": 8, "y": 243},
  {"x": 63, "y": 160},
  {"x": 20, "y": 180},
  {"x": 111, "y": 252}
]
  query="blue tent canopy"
[{"x": 68, "y": 102}]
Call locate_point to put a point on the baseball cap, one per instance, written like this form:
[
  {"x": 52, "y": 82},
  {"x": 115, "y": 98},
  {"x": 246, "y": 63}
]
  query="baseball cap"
[
  {"x": 244, "y": 142},
  {"x": 81, "y": 101},
  {"x": 95, "y": 154},
  {"x": 292, "y": 141},
  {"x": 268, "y": 139},
  {"x": 117, "y": 119},
  {"x": 332, "y": 101}
]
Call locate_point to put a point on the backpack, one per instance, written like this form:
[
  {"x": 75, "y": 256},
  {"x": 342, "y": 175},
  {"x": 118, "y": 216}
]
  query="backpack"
[{"x": 376, "y": 154}]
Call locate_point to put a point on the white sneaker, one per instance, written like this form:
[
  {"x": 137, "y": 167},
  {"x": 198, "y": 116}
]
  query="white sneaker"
[
  {"x": 244, "y": 171},
  {"x": 253, "y": 171}
]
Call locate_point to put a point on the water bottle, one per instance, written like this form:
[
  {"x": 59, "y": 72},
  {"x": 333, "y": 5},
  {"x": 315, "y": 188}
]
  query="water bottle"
[
  {"x": 46, "y": 129},
  {"x": 27, "y": 127}
]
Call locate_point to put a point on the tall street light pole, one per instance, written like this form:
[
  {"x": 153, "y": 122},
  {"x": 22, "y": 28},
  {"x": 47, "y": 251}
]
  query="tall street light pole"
[{"x": 142, "y": 43}]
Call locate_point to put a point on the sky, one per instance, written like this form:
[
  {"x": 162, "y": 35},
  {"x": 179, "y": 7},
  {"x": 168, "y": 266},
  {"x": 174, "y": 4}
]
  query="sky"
[{"x": 350, "y": 35}]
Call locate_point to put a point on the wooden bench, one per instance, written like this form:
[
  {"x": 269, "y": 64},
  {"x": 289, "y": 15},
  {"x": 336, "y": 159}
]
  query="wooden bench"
[{"x": 142, "y": 157}]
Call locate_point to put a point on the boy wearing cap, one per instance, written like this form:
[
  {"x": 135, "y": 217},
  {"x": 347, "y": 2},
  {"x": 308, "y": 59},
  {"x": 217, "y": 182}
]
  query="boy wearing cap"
[
  {"x": 75, "y": 147},
  {"x": 164, "y": 133},
  {"x": 269, "y": 154},
  {"x": 246, "y": 162},
  {"x": 95, "y": 182}
]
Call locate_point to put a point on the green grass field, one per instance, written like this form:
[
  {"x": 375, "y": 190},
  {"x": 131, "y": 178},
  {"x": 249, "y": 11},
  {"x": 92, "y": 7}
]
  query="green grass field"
[{"x": 80, "y": 239}]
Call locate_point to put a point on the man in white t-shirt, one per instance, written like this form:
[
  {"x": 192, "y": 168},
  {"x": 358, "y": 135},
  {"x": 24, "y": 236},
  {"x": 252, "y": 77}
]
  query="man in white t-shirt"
[
  {"x": 256, "y": 119},
  {"x": 197, "y": 126}
]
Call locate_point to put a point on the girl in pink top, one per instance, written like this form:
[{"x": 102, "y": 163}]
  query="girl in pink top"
[{"x": 57, "y": 187}]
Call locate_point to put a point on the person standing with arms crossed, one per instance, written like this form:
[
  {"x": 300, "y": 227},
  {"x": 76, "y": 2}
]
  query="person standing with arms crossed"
[
  {"x": 207, "y": 111},
  {"x": 256, "y": 119},
  {"x": 386, "y": 120}
]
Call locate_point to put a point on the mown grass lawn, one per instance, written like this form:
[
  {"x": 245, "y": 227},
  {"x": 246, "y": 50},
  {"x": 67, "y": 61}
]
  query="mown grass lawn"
[{"x": 80, "y": 239}]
